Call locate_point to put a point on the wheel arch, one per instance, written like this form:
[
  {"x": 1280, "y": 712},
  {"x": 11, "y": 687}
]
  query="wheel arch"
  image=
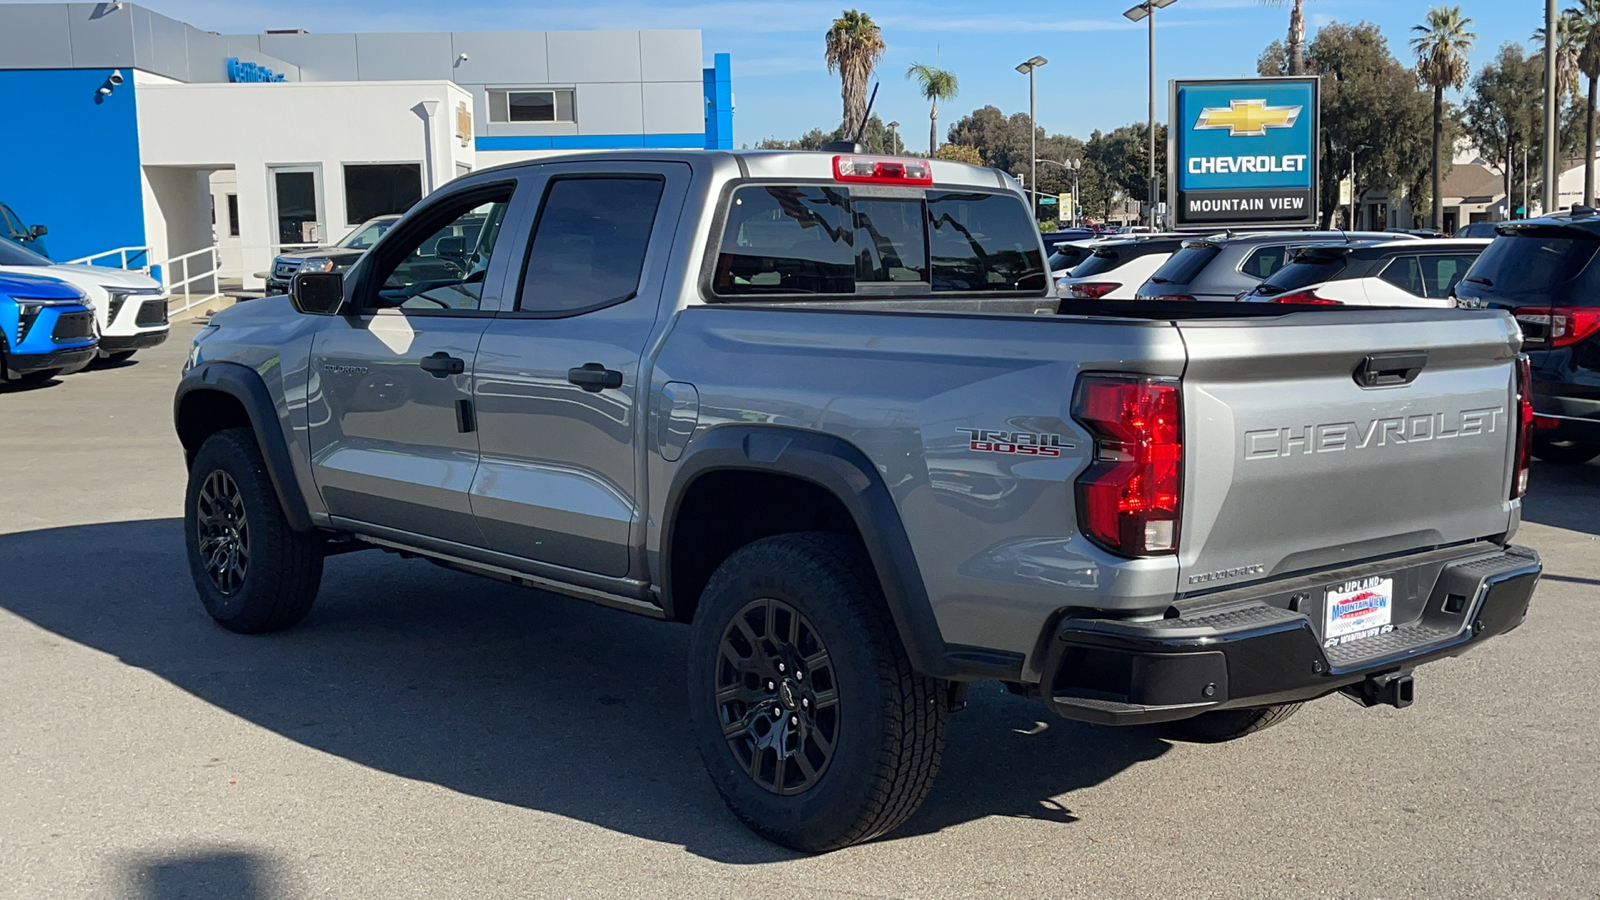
[
  {"x": 215, "y": 396},
  {"x": 829, "y": 471}
]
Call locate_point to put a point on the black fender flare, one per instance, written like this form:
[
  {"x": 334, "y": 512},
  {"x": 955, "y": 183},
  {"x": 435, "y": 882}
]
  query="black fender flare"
[
  {"x": 245, "y": 385},
  {"x": 842, "y": 469}
]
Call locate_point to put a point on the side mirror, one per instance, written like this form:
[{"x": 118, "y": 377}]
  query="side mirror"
[
  {"x": 317, "y": 293},
  {"x": 38, "y": 231}
]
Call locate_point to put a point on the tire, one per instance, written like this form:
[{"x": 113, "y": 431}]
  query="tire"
[
  {"x": 1564, "y": 453},
  {"x": 817, "y": 593},
  {"x": 1229, "y": 724},
  {"x": 267, "y": 575}
]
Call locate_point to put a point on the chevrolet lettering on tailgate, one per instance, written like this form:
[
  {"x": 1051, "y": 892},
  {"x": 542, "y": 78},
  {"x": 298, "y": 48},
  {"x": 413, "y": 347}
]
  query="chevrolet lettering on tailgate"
[{"x": 1333, "y": 437}]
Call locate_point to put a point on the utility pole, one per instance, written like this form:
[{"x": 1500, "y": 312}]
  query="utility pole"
[{"x": 1551, "y": 188}]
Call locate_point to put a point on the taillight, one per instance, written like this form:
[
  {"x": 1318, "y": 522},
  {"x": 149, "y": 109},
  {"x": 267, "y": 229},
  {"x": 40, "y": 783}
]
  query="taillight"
[
  {"x": 882, "y": 170},
  {"x": 1129, "y": 498},
  {"x": 1092, "y": 290},
  {"x": 1519, "y": 475},
  {"x": 1563, "y": 325},
  {"x": 1306, "y": 298}
]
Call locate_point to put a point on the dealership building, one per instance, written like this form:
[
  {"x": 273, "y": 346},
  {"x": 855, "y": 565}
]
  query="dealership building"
[{"x": 169, "y": 140}]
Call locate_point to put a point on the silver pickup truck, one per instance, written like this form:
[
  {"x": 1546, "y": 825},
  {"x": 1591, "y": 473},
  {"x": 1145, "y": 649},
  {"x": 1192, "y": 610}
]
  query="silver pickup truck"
[{"x": 823, "y": 408}]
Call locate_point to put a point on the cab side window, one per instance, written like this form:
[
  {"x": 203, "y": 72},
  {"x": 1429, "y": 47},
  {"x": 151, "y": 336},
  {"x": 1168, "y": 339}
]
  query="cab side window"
[
  {"x": 442, "y": 269},
  {"x": 589, "y": 243}
]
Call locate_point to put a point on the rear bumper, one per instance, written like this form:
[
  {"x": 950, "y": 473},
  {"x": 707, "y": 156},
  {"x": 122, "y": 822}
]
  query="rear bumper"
[
  {"x": 1260, "y": 645},
  {"x": 71, "y": 357}
]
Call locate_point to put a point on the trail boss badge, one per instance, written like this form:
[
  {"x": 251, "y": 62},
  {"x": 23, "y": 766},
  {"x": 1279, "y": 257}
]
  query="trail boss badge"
[{"x": 1021, "y": 443}]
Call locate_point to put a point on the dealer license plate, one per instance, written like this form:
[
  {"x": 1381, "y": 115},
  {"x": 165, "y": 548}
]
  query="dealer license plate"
[{"x": 1357, "y": 610}]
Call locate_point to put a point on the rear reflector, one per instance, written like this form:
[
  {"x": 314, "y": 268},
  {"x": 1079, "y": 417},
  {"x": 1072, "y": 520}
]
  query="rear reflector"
[
  {"x": 882, "y": 170},
  {"x": 1129, "y": 497},
  {"x": 1519, "y": 475},
  {"x": 1092, "y": 290},
  {"x": 1545, "y": 421},
  {"x": 1182, "y": 298}
]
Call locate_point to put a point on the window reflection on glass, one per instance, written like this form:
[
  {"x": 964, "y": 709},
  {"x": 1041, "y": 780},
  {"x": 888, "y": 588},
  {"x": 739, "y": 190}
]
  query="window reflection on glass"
[{"x": 446, "y": 270}]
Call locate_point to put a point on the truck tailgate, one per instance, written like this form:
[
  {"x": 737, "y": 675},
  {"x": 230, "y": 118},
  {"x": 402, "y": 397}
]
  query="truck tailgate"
[{"x": 1294, "y": 465}]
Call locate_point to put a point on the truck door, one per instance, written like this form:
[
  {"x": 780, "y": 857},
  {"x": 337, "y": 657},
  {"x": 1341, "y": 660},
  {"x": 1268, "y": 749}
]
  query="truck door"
[
  {"x": 559, "y": 378},
  {"x": 392, "y": 441}
]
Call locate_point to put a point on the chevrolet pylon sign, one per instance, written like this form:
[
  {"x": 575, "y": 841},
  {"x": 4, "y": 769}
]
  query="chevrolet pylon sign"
[{"x": 1243, "y": 152}]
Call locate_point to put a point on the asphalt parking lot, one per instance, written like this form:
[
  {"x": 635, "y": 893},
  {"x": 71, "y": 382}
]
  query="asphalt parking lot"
[{"x": 428, "y": 734}]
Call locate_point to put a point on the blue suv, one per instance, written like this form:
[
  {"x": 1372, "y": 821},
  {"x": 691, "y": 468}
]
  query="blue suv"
[{"x": 46, "y": 327}]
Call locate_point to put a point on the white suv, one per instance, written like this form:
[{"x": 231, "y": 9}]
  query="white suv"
[
  {"x": 130, "y": 308},
  {"x": 1115, "y": 270},
  {"x": 1371, "y": 273}
]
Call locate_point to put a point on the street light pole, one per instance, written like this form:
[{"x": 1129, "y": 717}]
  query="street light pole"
[
  {"x": 894, "y": 138},
  {"x": 1551, "y": 189},
  {"x": 1027, "y": 68},
  {"x": 1147, "y": 11}
]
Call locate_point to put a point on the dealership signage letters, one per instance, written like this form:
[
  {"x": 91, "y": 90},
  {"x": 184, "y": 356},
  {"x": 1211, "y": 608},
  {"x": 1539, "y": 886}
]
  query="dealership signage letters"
[{"x": 249, "y": 72}]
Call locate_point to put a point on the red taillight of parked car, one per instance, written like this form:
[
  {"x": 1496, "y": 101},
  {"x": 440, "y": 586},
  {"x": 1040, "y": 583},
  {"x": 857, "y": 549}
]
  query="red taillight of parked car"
[
  {"x": 1519, "y": 476},
  {"x": 1563, "y": 325},
  {"x": 1305, "y": 298},
  {"x": 1092, "y": 290},
  {"x": 1129, "y": 499}
]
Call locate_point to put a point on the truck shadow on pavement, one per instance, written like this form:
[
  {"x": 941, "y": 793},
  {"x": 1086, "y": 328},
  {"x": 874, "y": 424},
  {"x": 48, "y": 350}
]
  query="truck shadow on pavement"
[
  {"x": 500, "y": 692},
  {"x": 1564, "y": 497}
]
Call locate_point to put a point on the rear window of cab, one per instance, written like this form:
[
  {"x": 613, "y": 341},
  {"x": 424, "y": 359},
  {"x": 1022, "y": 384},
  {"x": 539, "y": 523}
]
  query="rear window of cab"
[{"x": 867, "y": 240}]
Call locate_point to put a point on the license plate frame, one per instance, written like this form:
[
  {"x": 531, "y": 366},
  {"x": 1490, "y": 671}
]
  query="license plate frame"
[{"x": 1358, "y": 609}]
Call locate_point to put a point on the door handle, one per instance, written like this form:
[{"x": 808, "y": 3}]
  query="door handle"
[
  {"x": 442, "y": 364},
  {"x": 1390, "y": 369},
  {"x": 594, "y": 377}
]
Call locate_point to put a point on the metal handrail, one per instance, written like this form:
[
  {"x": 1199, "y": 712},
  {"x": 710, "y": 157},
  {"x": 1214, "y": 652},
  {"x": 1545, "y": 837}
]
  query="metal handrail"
[
  {"x": 214, "y": 255},
  {"x": 124, "y": 255}
]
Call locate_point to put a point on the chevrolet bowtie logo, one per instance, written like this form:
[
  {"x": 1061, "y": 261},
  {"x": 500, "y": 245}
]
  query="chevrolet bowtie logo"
[{"x": 1247, "y": 118}]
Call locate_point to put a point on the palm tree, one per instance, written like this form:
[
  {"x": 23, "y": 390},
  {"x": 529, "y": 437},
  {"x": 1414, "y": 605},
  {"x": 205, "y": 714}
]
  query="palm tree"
[
  {"x": 1584, "y": 31},
  {"x": 1567, "y": 49},
  {"x": 1296, "y": 46},
  {"x": 938, "y": 84},
  {"x": 1441, "y": 45},
  {"x": 854, "y": 47}
]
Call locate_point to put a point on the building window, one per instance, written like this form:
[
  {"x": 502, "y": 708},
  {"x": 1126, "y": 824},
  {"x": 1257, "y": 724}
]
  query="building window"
[
  {"x": 233, "y": 215},
  {"x": 530, "y": 106},
  {"x": 380, "y": 189}
]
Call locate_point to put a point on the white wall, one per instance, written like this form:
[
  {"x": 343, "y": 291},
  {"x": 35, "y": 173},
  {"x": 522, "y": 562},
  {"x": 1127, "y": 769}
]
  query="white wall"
[
  {"x": 251, "y": 127},
  {"x": 177, "y": 213}
]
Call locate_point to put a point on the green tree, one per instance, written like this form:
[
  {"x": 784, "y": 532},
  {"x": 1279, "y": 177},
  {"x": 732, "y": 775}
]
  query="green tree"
[
  {"x": 1503, "y": 112},
  {"x": 1294, "y": 50},
  {"x": 854, "y": 47},
  {"x": 935, "y": 84},
  {"x": 1441, "y": 46},
  {"x": 1585, "y": 31},
  {"x": 1371, "y": 106},
  {"x": 959, "y": 153},
  {"x": 876, "y": 138},
  {"x": 1123, "y": 156}
]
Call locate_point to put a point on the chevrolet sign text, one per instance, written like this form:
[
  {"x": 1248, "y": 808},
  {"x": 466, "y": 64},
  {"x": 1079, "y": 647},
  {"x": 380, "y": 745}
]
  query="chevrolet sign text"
[{"x": 1224, "y": 165}]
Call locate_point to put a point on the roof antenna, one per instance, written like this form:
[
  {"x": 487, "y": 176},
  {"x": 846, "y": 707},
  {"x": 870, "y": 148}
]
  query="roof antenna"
[{"x": 853, "y": 145}]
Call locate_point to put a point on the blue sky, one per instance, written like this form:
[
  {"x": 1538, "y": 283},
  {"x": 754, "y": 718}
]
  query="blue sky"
[{"x": 1096, "y": 76}]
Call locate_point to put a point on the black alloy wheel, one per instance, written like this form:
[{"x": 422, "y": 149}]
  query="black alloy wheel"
[
  {"x": 223, "y": 533},
  {"x": 776, "y": 696}
]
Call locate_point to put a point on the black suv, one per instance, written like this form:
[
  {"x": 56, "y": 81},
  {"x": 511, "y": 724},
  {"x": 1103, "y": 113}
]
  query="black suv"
[{"x": 1545, "y": 272}]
